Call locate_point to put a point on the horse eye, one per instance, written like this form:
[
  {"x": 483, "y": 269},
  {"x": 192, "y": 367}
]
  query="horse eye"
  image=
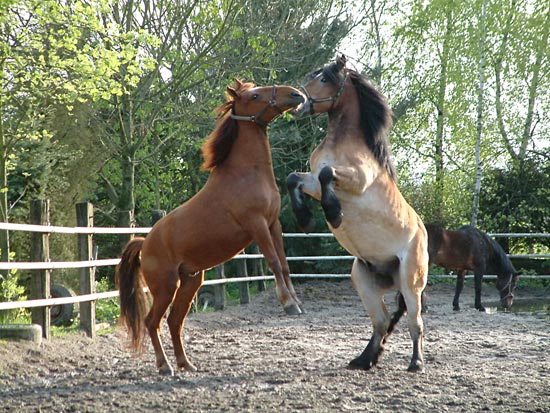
[
  {"x": 323, "y": 80},
  {"x": 255, "y": 96}
]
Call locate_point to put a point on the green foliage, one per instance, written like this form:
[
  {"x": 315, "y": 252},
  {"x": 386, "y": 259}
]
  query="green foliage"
[
  {"x": 11, "y": 290},
  {"x": 515, "y": 199},
  {"x": 108, "y": 309}
]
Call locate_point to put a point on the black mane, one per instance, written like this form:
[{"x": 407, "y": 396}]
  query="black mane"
[{"x": 375, "y": 113}]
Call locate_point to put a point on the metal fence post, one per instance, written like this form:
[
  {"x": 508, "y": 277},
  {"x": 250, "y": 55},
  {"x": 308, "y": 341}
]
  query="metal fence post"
[
  {"x": 40, "y": 252},
  {"x": 85, "y": 218}
]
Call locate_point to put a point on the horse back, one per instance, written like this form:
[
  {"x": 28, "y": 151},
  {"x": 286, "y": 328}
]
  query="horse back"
[{"x": 454, "y": 250}]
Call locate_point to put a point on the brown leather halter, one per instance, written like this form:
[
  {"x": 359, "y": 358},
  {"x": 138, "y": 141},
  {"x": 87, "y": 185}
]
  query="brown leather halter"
[{"x": 257, "y": 118}]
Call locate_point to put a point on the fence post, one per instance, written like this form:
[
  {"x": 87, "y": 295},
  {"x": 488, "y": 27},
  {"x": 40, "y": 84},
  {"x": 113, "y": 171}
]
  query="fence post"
[
  {"x": 244, "y": 287},
  {"x": 157, "y": 214},
  {"x": 85, "y": 218},
  {"x": 40, "y": 252},
  {"x": 219, "y": 289}
]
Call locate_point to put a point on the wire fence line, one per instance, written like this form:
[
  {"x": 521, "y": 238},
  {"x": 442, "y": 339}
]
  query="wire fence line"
[{"x": 49, "y": 229}]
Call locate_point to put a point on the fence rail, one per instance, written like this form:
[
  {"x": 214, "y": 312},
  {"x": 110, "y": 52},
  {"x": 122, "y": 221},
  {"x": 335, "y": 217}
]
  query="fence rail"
[{"x": 92, "y": 263}]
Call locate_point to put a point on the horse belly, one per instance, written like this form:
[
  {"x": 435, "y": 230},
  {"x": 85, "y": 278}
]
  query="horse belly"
[{"x": 193, "y": 239}]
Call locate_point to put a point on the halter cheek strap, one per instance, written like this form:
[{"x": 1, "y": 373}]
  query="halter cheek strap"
[
  {"x": 257, "y": 118},
  {"x": 509, "y": 287}
]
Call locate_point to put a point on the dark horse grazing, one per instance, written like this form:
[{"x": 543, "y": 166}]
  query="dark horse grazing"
[
  {"x": 353, "y": 177},
  {"x": 239, "y": 203},
  {"x": 471, "y": 249}
]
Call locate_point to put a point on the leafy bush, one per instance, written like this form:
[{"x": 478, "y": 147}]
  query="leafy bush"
[
  {"x": 107, "y": 310},
  {"x": 11, "y": 290}
]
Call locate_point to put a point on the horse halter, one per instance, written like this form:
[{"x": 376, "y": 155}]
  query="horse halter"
[
  {"x": 272, "y": 104},
  {"x": 509, "y": 287},
  {"x": 334, "y": 98}
]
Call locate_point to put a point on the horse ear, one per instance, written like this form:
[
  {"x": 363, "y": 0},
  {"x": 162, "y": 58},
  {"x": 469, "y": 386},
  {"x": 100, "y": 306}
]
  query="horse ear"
[
  {"x": 232, "y": 92},
  {"x": 341, "y": 61}
]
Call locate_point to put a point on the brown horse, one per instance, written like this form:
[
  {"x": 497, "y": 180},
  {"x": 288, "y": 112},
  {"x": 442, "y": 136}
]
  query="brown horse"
[
  {"x": 239, "y": 204},
  {"x": 353, "y": 177},
  {"x": 471, "y": 249}
]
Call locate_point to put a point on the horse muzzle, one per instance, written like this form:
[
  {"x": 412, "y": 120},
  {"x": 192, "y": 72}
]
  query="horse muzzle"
[
  {"x": 507, "y": 302},
  {"x": 302, "y": 109}
]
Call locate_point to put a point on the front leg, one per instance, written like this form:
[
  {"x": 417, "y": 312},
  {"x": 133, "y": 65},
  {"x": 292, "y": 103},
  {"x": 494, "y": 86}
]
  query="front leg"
[
  {"x": 299, "y": 186},
  {"x": 330, "y": 203},
  {"x": 478, "y": 279},
  {"x": 458, "y": 289}
]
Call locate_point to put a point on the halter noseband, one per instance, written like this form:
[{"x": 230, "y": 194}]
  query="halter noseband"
[
  {"x": 257, "y": 117},
  {"x": 334, "y": 98}
]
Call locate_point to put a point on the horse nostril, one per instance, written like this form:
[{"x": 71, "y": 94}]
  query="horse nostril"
[{"x": 297, "y": 95}]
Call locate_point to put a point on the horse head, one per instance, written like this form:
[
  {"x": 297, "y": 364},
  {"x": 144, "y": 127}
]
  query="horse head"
[
  {"x": 261, "y": 104},
  {"x": 323, "y": 88},
  {"x": 506, "y": 284}
]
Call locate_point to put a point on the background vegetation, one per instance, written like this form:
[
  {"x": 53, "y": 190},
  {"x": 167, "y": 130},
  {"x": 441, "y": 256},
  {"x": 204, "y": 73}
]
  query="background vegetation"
[{"x": 109, "y": 101}]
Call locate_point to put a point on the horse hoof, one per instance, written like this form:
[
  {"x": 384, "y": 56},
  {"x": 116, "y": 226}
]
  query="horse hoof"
[
  {"x": 416, "y": 367},
  {"x": 456, "y": 308},
  {"x": 189, "y": 367},
  {"x": 481, "y": 309},
  {"x": 166, "y": 370},
  {"x": 293, "y": 309},
  {"x": 359, "y": 364}
]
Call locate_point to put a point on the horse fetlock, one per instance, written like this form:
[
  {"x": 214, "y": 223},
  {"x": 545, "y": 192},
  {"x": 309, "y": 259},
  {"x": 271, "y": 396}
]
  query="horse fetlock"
[
  {"x": 416, "y": 366},
  {"x": 362, "y": 363}
]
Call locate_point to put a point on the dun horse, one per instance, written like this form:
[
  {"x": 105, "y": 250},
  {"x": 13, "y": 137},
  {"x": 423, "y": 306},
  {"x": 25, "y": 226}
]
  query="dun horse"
[
  {"x": 353, "y": 177},
  {"x": 239, "y": 204},
  {"x": 470, "y": 249}
]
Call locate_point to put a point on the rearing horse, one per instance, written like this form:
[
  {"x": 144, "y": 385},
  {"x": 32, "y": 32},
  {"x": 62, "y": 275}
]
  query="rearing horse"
[
  {"x": 353, "y": 177},
  {"x": 239, "y": 203}
]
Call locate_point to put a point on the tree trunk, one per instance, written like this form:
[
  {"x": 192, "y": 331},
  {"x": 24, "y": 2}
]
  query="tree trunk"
[
  {"x": 4, "y": 235},
  {"x": 480, "y": 100},
  {"x": 533, "y": 87},
  {"x": 440, "y": 125}
]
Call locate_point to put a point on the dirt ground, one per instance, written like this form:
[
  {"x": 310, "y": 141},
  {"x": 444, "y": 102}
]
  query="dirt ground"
[{"x": 256, "y": 359}]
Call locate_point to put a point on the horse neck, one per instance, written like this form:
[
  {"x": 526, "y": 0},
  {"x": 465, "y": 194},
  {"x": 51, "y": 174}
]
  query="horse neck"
[
  {"x": 344, "y": 118},
  {"x": 251, "y": 148}
]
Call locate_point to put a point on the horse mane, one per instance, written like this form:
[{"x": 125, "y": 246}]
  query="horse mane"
[
  {"x": 502, "y": 260},
  {"x": 217, "y": 147},
  {"x": 375, "y": 115},
  {"x": 499, "y": 262}
]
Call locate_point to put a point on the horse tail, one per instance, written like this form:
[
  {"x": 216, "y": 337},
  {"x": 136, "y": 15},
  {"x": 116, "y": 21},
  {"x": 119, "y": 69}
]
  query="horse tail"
[{"x": 133, "y": 300}]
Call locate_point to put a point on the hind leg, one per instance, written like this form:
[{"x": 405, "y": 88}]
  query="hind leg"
[
  {"x": 372, "y": 297},
  {"x": 413, "y": 275},
  {"x": 163, "y": 291},
  {"x": 176, "y": 320}
]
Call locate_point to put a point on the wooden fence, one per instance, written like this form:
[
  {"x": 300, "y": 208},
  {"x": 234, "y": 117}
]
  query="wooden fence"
[{"x": 41, "y": 266}]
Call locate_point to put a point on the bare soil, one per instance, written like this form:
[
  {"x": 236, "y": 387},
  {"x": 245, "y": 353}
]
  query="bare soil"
[{"x": 254, "y": 358}]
